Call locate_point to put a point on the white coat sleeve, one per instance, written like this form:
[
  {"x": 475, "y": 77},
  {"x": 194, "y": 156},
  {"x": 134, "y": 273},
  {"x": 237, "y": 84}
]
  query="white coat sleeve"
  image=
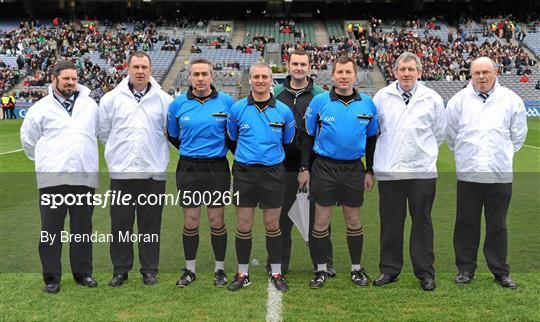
[
  {"x": 30, "y": 134},
  {"x": 518, "y": 126},
  {"x": 105, "y": 118},
  {"x": 453, "y": 111},
  {"x": 440, "y": 121}
]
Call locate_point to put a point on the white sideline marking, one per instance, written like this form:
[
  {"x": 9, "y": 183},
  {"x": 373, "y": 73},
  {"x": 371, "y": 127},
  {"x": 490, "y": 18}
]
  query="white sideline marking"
[
  {"x": 273, "y": 306},
  {"x": 531, "y": 146},
  {"x": 9, "y": 152}
]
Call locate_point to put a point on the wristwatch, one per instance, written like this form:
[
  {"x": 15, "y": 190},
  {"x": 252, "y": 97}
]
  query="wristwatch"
[{"x": 302, "y": 169}]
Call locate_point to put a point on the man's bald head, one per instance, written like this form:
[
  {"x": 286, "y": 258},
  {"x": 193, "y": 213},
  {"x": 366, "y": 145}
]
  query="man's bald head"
[{"x": 484, "y": 74}]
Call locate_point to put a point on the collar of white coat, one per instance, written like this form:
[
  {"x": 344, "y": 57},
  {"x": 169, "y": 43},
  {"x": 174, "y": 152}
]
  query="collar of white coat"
[
  {"x": 83, "y": 90},
  {"x": 124, "y": 87},
  {"x": 474, "y": 92},
  {"x": 401, "y": 90},
  {"x": 420, "y": 92}
]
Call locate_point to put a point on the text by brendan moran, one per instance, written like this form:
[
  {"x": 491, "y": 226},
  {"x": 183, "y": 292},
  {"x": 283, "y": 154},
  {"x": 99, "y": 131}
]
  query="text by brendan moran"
[{"x": 95, "y": 237}]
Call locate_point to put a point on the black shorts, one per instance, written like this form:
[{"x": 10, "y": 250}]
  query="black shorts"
[
  {"x": 258, "y": 185},
  {"x": 202, "y": 181},
  {"x": 335, "y": 182}
]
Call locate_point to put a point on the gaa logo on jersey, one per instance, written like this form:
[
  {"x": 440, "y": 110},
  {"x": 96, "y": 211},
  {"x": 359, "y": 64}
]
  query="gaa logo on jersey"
[
  {"x": 184, "y": 118},
  {"x": 329, "y": 119},
  {"x": 244, "y": 126}
]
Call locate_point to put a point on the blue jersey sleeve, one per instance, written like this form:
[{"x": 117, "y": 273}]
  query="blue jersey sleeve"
[
  {"x": 373, "y": 127},
  {"x": 288, "y": 132},
  {"x": 311, "y": 114},
  {"x": 232, "y": 124},
  {"x": 172, "y": 122},
  {"x": 229, "y": 101}
]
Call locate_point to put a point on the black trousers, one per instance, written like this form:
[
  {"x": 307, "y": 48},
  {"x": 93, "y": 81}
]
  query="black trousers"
[
  {"x": 148, "y": 223},
  {"x": 418, "y": 194},
  {"x": 292, "y": 166},
  {"x": 471, "y": 199},
  {"x": 52, "y": 224}
]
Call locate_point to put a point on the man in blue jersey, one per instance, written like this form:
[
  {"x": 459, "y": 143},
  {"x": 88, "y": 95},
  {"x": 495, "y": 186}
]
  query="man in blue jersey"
[
  {"x": 197, "y": 126},
  {"x": 343, "y": 125},
  {"x": 261, "y": 125}
]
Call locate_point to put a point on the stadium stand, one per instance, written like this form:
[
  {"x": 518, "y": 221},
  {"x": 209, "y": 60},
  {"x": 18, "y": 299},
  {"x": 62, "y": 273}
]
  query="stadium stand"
[
  {"x": 282, "y": 31},
  {"x": 532, "y": 42},
  {"x": 335, "y": 30},
  {"x": 226, "y": 56},
  {"x": 100, "y": 53},
  {"x": 31, "y": 47}
]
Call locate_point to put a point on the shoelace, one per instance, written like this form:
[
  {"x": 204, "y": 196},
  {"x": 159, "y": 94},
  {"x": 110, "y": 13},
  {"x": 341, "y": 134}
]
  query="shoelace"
[
  {"x": 362, "y": 272},
  {"x": 240, "y": 277},
  {"x": 319, "y": 276},
  {"x": 406, "y": 97}
]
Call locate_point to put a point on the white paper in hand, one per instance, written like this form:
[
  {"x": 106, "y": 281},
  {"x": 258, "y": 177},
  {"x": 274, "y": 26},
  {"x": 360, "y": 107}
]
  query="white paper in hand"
[{"x": 299, "y": 214}]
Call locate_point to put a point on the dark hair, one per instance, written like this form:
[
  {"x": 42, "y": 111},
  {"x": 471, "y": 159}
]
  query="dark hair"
[
  {"x": 201, "y": 61},
  {"x": 301, "y": 52},
  {"x": 344, "y": 60},
  {"x": 62, "y": 65},
  {"x": 140, "y": 54}
]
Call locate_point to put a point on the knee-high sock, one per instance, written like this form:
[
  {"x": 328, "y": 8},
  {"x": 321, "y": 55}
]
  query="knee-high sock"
[
  {"x": 190, "y": 239},
  {"x": 219, "y": 242},
  {"x": 320, "y": 245},
  {"x": 355, "y": 241},
  {"x": 274, "y": 242},
  {"x": 243, "y": 246}
]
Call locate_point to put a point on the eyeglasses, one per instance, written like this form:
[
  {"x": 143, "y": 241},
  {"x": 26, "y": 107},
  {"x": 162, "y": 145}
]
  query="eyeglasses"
[{"x": 482, "y": 73}]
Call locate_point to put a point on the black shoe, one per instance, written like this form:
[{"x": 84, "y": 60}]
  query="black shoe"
[
  {"x": 220, "y": 278},
  {"x": 186, "y": 278},
  {"x": 52, "y": 288},
  {"x": 88, "y": 281},
  {"x": 463, "y": 277},
  {"x": 319, "y": 279},
  {"x": 360, "y": 277},
  {"x": 331, "y": 271},
  {"x": 279, "y": 282},
  {"x": 428, "y": 284},
  {"x": 384, "y": 279},
  {"x": 240, "y": 281},
  {"x": 149, "y": 278},
  {"x": 506, "y": 281},
  {"x": 118, "y": 280}
]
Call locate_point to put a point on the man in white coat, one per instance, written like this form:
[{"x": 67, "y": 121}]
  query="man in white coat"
[
  {"x": 133, "y": 125},
  {"x": 412, "y": 124},
  {"x": 487, "y": 124},
  {"x": 59, "y": 133}
]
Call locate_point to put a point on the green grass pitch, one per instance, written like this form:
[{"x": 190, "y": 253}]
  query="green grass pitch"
[{"x": 21, "y": 297}]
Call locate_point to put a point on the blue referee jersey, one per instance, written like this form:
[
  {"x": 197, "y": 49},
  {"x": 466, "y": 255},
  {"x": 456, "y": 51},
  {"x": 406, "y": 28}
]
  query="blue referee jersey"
[
  {"x": 200, "y": 125},
  {"x": 260, "y": 133},
  {"x": 341, "y": 128}
]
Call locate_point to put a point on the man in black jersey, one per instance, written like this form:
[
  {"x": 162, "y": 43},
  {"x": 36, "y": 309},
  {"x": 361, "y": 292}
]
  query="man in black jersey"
[{"x": 297, "y": 92}]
